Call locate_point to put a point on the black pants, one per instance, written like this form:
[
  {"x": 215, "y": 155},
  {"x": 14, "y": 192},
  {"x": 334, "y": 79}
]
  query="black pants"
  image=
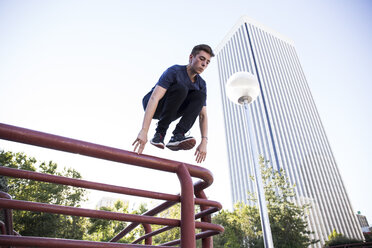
[{"x": 177, "y": 102}]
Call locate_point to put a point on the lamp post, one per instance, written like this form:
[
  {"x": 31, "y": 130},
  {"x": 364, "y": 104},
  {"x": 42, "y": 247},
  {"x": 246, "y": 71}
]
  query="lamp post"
[{"x": 242, "y": 88}]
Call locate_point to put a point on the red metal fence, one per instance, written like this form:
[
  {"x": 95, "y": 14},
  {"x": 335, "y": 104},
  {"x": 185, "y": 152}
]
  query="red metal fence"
[
  {"x": 185, "y": 172},
  {"x": 355, "y": 245}
]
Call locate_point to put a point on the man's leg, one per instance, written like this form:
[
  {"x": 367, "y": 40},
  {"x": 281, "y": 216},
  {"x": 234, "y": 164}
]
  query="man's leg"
[
  {"x": 189, "y": 110},
  {"x": 166, "y": 111},
  {"x": 169, "y": 106}
]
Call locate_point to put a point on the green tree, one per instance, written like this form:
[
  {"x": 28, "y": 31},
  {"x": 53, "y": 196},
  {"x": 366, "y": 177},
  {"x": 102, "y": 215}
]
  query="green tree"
[
  {"x": 173, "y": 212},
  {"x": 233, "y": 236},
  {"x": 105, "y": 230},
  {"x": 339, "y": 239},
  {"x": 43, "y": 224},
  {"x": 334, "y": 235},
  {"x": 287, "y": 219}
]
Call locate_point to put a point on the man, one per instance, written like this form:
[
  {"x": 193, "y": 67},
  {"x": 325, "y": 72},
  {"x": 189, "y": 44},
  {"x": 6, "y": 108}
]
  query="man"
[{"x": 180, "y": 92}]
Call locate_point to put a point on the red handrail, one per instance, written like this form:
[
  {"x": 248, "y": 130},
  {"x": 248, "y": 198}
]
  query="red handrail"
[{"x": 186, "y": 197}]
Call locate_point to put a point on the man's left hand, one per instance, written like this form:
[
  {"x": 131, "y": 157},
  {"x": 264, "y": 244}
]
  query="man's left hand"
[{"x": 201, "y": 152}]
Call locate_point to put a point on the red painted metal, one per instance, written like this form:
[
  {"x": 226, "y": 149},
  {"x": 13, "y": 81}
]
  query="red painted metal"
[
  {"x": 74, "y": 211},
  {"x": 148, "y": 240},
  {"x": 208, "y": 241},
  {"x": 151, "y": 212},
  {"x": 64, "y": 243},
  {"x": 86, "y": 184},
  {"x": 7, "y": 214},
  {"x": 2, "y": 227},
  {"x": 60, "y": 143},
  {"x": 99, "y": 186},
  {"x": 187, "y": 208},
  {"x": 184, "y": 172},
  {"x": 151, "y": 234}
]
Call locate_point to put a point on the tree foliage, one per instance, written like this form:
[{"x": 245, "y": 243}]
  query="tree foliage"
[
  {"x": 334, "y": 235},
  {"x": 173, "y": 212},
  {"x": 339, "y": 239},
  {"x": 234, "y": 235},
  {"x": 287, "y": 219},
  {"x": 105, "y": 230},
  {"x": 43, "y": 224}
]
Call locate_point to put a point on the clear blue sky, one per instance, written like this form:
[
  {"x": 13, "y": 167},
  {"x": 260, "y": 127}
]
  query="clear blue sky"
[{"x": 80, "y": 68}]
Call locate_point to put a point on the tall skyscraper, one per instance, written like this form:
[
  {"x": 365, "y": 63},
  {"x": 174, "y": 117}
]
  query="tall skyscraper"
[{"x": 287, "y": 128}]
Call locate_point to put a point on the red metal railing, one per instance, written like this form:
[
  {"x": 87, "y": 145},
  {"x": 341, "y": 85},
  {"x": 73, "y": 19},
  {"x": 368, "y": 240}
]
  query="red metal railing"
[
  {"x": 355, "y": 245},
  {"x": 184, "y": 172}
]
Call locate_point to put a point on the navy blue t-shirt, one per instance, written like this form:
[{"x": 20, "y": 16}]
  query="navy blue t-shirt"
[{"x": 177, "y": 74}]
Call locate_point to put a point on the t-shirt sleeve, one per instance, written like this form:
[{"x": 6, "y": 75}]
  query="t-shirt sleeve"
[{"x": 167, "y": 78}]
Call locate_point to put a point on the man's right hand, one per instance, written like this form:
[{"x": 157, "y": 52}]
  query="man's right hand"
[{"x": 140, "y": 142}]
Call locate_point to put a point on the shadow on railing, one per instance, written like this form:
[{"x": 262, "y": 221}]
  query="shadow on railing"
[{"x": 184, "y": 172}]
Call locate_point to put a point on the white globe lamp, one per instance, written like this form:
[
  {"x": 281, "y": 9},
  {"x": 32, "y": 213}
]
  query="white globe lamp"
[{"x": 242, "y": 87}]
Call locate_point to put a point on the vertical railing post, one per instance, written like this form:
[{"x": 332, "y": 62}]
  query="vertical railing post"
[
  {"x": 206, "y": 242},
  {"x": 187, "y": 208},
  {"x": 8, "y": 216},
  {"x": 148, "y": 229}
]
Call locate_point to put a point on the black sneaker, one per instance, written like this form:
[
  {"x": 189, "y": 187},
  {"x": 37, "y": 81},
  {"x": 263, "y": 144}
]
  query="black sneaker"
[
  {"x": 180, "y": 142},
  {"x": 158, "y": 140}
]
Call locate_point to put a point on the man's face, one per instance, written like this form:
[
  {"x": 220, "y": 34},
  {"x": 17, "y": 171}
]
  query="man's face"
[{"x": 200, "y": 61}]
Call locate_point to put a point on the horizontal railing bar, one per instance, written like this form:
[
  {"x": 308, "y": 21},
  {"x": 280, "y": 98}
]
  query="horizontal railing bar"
[
  {"x": 74, "y": 211},
  {"x": 206, "y": 234},
  {"x": 173, "y": 242},
  {"x": 64, "y": 243},
  {"x": 165, "y": 206},
  {"x": 164, "y": 229},
  {"x": 206, "y": 212},
  {"x": 209, "y": 203},
  {"x": 100, "y": 214},
  {"x": 85, "y": 184},
  {"x": 153, "y": 233},
  {"x": 31, "y": 137},
  {"x": 209, "y": 226},
  {"x": 201, "y": 235},
  {"x": 152, "y": 212},
  {"x": 18, "y": 173}
]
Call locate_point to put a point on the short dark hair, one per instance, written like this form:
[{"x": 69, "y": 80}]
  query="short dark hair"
[{"x": 202, "y": 47}]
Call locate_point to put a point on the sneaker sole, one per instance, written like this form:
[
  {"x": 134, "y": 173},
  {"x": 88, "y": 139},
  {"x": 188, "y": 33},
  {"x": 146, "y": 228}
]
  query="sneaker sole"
[
  {"x": 183, "y": 145},
  {"x": 158, "y": 145}
]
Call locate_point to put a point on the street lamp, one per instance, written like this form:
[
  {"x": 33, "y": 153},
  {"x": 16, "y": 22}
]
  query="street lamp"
[{"x": 242, "y": 88}]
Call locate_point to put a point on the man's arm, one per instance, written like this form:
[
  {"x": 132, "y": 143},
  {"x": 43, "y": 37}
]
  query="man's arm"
[
  {"x": 201, "y": 151},
  {"x": 141, "y": 140}
]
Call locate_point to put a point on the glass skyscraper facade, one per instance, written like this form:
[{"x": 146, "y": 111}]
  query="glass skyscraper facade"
[{"x": 287, "y": 128}]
